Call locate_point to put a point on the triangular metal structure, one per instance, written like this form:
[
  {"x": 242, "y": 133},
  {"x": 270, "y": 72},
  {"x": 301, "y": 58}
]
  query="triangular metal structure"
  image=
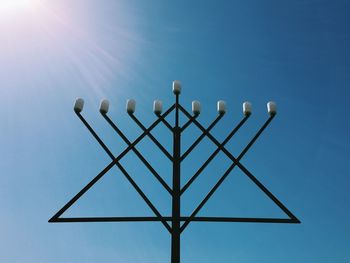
[{"x": 176, "y": 223}]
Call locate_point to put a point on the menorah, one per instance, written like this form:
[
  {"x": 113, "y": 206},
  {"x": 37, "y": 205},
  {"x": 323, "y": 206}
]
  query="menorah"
[{"x": 176, "y": 223}]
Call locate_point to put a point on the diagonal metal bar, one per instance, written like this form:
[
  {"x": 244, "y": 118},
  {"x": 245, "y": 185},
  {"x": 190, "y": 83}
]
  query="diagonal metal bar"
[
  {"x": 138, "y": 154},
  {"x": 200, "y": 138},
  {"x": 167, "y": 124},
  {"x": 189, "y": 122},
  {"x": 160, "y": 146},
  {"x": 236, "y": 162},
  {"x": 221, "y": 180},
  {"x": 212, "y": 156},
  {"x": 215, "y": 141},
  {"x": 110, "y": 165},
  {"x": 145, "y": 133},
  {"x": 126, "y": 174}
]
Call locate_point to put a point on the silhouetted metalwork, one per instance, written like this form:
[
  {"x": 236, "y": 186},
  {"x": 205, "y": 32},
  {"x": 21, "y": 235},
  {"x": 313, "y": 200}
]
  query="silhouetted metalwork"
[{"x": 176, "y": 223}]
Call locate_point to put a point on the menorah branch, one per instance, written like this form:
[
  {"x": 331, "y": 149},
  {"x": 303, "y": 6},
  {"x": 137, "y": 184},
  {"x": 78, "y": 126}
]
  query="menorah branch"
[
  {"x": 138, "y": 154},
  {"x": 126, "y": 174},
  {"x": 227, "y": 172},
  {"x": 200, "y": 138},
  {"x": 167, "y": 124},
  {"x": 160, "y": 146},
  {"x": 77, "y": 108},
  {"x": 188, "y": 123},
  {"x": 212, "y": 156}
]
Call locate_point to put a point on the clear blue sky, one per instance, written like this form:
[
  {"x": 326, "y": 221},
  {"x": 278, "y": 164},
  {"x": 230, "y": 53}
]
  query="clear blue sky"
[{"x": 293, "y": 52}]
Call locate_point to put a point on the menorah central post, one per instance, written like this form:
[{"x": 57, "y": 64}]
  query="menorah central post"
[
  {"x": 176, "y": 196},
  {"x": 178, "y": 222}
]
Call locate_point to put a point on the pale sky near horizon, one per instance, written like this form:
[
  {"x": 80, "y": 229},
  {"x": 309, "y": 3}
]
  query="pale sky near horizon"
[{"x": 293, "y": 52}]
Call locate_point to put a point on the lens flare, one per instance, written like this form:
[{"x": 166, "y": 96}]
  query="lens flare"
[
  {"x": 46, "y": 42},
  {"x": 16, "y": 7}
]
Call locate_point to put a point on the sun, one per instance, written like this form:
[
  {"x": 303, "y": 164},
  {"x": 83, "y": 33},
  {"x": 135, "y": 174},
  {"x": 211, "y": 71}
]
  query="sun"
[{"x": 15, "y": 7}]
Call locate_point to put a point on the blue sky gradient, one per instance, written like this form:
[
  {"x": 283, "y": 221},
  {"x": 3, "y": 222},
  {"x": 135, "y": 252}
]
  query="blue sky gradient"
[{"x": 293, "y": 52}]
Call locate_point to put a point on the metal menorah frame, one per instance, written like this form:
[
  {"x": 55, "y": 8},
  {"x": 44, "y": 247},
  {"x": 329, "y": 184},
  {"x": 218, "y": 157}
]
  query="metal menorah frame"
[{"x": 176, "y": 223}]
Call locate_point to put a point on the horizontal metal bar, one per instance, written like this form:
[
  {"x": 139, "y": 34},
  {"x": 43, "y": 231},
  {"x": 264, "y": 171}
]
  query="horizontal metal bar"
[
  {"x": 246, "y": 220},
  {"x": 104, "y": 219},
  {"x": 156, "y": 219}
]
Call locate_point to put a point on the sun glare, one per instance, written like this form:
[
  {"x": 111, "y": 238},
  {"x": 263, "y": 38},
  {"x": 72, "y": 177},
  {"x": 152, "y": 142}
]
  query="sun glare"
[
  {"x": 15, "y": 7},
  {"x": 45, "y": 39}
]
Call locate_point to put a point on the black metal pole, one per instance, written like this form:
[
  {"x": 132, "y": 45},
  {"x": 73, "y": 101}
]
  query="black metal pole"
[{"x": 175, "y": 235}]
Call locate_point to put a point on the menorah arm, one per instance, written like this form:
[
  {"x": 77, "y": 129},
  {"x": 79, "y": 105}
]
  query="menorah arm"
[
  {"x": 212, "y": 156},
  {"x": 160, "y": 146},
  {"x": 82, "y": 191},
  {"x": 99, "y": 176},
  {"x": 166, "y": 123},
  {"x": 215, "y": 141},
  {"x": 200, "y": 138},
  {"x": 235, "y": 162},
  {"x": 256, "y": 136},
  {"x": 188, "y": 123},
  {"x": 138, "y": 154},
  {"x": 292, "y": 218},
  {"x": 146, "y": 132}
]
